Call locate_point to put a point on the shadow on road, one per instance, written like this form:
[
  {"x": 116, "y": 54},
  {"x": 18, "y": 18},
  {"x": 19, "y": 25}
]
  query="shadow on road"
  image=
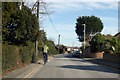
[
  {"x": 79, "y": 60},
  {"x": 66, "y": 56},
  {"x": 89, "y": 67}
]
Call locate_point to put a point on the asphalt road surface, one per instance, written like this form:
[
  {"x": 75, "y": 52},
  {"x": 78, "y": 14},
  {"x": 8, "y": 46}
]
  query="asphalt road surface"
[{"x": 65, "y": 66}]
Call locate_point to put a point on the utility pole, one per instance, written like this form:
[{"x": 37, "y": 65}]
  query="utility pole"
[
  {"x": 38, "y": 10},
  {"x": 84, "y": 39},
  {"x": 58, "y": 42},
  {"x": 37, "y": 4},
  {"x": 36, "y": 47},
  {"x": 36, "y": 43},
  {"x": 72, "y": 45}
]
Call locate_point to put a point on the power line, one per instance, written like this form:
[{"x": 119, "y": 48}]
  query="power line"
[
  {"x": 50, "y": 19},
  {"x": 52, "y": 22}
]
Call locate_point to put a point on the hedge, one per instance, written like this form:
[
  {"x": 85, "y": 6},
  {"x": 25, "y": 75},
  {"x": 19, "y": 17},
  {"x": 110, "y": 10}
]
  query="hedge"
[
  {"x": 13, "y": 55},
  {"x": 10, "y": 55}
]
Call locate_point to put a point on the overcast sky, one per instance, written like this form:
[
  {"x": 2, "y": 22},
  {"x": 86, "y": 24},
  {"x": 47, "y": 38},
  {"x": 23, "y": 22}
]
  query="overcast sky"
[{"x": 66, "y": 13}]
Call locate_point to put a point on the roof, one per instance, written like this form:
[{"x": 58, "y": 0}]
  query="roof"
[{"x": 117, "y": 35}]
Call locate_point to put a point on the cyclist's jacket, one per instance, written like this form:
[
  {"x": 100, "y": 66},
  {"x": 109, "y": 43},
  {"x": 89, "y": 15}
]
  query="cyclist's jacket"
[{"x": 45, "y": 49}]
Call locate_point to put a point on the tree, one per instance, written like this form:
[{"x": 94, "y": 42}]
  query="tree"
[
  {"x": 113, "y": 46},
  {"x": 93, "y": 25},
  {"x": 97, "y": 44},
  {"x": 52, "y": 49},
  {"x": 20, "y": 26},
  {"x": 7, "y": 10}
]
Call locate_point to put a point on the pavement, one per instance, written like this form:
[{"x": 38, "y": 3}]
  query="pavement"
[
  {"x": 65, "y": 66},
  {"x": 26, "y": 71},
  {"x": 100, "y": 61}
]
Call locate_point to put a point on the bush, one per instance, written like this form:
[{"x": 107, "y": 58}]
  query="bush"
[
  {"x": 107, "y": 43},
  {"x": 52, "y": 49},
  {"x": 97, "y": 44},
  {"x": 27, "y": 52},
  {"x": 113, "y": 46},
  {"x": 13, "y": 55},
  {"x": 10, "y": 56}
]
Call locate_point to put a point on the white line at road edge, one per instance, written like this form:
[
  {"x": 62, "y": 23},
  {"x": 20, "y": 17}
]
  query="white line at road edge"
[
  {"x": 36, "y": 70},
  {"x": 30, "y": 74}
]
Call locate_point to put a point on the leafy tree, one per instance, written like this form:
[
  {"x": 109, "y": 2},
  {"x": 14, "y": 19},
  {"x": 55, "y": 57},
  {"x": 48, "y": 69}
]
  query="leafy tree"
[
  {"x": 93, "y": 26},
  {"x": 52, "y": 49},
  {"x": 97, "y": 44},
  {"x": 7, "y": 10},
  {"x": 20, "y": 26},
  {"x": 113, "y": 46}
]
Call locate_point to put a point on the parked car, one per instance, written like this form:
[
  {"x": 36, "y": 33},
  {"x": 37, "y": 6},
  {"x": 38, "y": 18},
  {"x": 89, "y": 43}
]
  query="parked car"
[
  {"x": 70, "y": 52},
  {"x": 76, "y": 54}
]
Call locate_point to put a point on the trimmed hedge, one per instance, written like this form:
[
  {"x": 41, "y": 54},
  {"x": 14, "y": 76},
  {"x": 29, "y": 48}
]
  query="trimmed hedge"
[
  {"x": 52, "y": 49},
  {"x": 13, "y": 55},
  {"x": 10, "y": 55}
]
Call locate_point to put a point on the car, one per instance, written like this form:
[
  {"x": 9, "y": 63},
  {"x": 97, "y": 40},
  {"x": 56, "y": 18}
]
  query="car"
[{"x": 76, "y": 54}]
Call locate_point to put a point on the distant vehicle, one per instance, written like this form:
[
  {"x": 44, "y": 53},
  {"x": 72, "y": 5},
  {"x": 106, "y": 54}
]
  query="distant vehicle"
[
  {"x": 70, "y": 52},
  {"x": 76, "y": 54}
]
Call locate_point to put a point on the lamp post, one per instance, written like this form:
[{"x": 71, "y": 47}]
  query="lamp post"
[
  {"x": 84, "y": 39},
  {"x": 59, "y": 43}
]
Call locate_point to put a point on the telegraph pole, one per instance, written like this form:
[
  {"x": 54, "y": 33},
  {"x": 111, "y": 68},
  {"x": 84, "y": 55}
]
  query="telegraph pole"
[
  {"x": 84, "y": 39},
  {"x": 58, "y": 43},
  {"x": 36, "y": 43},
  {"x": 72, "y": 45},
  {"x": 37, "y": 4},
  {"x": 36, "y": 47},
  {"x": 38, "y": 10}
]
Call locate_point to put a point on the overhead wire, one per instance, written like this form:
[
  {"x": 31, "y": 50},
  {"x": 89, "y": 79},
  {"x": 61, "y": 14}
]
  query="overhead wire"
[{"x": 51, "y": 20}]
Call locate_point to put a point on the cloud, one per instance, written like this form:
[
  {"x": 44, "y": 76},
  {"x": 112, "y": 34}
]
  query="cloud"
[
  {"x": 109, "y": 19},
  {"x": 67, "y": 33},
  {"x": 95, "y": 5},
  {"x": 103, "y": 5},
  {"x": 110, "y": 30},
  {"x": 78, "y": 6},
  {"x": 66, "y": 27},
  {"x": 82, "y": 0},
  {"x": 63, "y": 0},
  {"x": 61, "y": 6}
]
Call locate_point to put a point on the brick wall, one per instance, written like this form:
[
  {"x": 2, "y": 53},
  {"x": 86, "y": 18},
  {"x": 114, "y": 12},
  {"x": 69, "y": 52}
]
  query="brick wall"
[
  {"x": 112, "y": 58},
  {"x": 97, "y": 55},
  {"x": 93, "y": 55}
]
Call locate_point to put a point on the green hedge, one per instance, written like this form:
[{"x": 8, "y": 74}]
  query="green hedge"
[
  {"x": 10, "y": 55},
  {"x": 52, "y": 49},
  {"x": 107, "y": 43},
  {"x": 13, "y": 55},
  {"x": 113, "y": 46}
]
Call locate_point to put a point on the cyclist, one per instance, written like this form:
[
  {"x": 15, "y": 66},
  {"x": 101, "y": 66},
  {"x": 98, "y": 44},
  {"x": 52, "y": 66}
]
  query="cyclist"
[{"x": 45, "y": 52}]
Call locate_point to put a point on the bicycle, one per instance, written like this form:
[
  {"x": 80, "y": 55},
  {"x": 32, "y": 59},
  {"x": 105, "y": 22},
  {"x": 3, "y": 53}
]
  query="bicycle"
[{"x": 44, "y": 59}]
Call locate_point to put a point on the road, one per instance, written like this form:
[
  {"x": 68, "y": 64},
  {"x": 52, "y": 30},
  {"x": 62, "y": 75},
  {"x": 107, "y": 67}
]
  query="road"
[{"x": 66, "y": 67}]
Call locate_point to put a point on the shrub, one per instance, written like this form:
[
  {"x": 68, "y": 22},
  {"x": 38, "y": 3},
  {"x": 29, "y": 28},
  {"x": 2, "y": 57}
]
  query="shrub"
[
  {"x": 27, "y": 52},
  {"x": 52, "y": 49},
  {"x": 113, "y": 46},
  {"x": 10, "y": 55},
  {"x": 97, "y": 44}
]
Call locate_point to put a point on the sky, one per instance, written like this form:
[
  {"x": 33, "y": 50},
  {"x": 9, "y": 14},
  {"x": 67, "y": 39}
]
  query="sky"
[{"x": 65, "y": 14}]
